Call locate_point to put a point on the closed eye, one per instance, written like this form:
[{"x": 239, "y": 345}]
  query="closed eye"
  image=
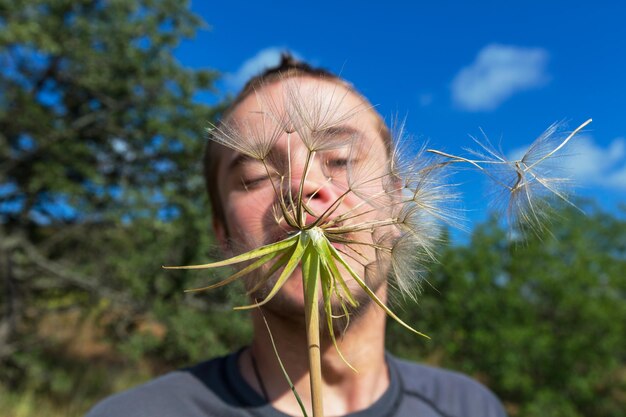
[
  {"x": 337, "y": 162},
  {"x": 253, "y": 182}
]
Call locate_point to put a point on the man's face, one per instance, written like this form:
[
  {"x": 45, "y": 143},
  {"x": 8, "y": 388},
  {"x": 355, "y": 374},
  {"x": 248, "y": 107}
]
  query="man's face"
[{"x": 304, "y": 119}]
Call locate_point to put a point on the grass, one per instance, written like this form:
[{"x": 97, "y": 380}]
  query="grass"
[
  {"x": 74, "y": 367},
  {"x": 29, "y": 402}
]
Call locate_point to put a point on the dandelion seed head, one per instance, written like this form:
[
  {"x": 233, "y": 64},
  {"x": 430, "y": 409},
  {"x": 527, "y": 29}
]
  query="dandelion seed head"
[
  {"x": 313, "y": 110},
  {"x": 407, "y": 266},
  {"x": 369, "y": 178},
  {"x": 527, "y": 185},
  {"x": 254, "y": 137}
]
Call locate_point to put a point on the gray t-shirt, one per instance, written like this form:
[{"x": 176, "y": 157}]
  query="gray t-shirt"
[{"x": 216, "y": 388}]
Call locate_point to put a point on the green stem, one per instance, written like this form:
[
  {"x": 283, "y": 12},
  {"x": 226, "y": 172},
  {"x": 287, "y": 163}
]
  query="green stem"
[
  {"x": 307, "y": 165},
  {"x": 310, "y": 266}
]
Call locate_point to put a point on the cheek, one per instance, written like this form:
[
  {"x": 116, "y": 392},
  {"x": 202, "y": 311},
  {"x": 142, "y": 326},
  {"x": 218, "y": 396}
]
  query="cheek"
[
  {"x": 372, "y": 202},
  {"x": 249, "y": 217}
]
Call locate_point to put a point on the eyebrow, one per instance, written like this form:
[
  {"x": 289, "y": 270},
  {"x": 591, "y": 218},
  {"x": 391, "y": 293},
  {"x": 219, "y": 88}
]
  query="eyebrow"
[
  {"x": 240, "y": 160},
  {"x": 340, "y": 130}
]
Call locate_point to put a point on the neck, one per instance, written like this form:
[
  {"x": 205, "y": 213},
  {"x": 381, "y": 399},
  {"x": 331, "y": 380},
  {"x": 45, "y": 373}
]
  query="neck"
[{"x": 344, "y": 390}]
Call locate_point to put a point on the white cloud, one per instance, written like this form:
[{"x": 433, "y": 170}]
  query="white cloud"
[
  {"x": 265, "y": 58},
  {"x": 498, "y": 72},
  {"x": 590, "y": 164}
]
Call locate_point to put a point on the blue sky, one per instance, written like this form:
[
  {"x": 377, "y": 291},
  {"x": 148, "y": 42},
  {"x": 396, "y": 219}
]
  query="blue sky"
[{"x": 452, "y": 69}]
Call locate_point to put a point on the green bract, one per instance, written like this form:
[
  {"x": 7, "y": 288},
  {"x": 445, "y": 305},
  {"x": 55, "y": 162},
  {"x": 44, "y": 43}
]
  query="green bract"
[{"x": 320, "y": 261}]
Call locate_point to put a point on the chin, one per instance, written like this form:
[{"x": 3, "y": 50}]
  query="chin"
[
  {"x": 288, "y": 304},
  {"x": 288, "y": 301}
]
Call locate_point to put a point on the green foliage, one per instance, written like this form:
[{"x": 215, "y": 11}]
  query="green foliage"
[
  {"x": 540, "y": 321},
  {"x": 96, "y": 114},
  {"x": 100, "y": 184}
]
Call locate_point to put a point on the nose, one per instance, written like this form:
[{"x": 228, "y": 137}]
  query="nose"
[{"x": 318, "y": 193}]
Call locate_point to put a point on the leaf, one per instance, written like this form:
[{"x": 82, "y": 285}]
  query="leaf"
[
  {"x": 371, "y": 294},
  {"x": 323, "y": 246},
  {"x": 255, "y": 265},
  {"x": 282, "y": 368},
  {"x": 303, "y": 241},
  {"x": 275, "y": 267},
  {"x": 255, "y": 253},
  {"x": 327, "y": 283}
]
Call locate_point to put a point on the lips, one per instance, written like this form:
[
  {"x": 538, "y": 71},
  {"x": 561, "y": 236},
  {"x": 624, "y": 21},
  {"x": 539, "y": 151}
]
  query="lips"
[
  {"x": 310, "y": 219},
  {"x": 339, "y": 246},
  {"x": 281, "y": 230}
]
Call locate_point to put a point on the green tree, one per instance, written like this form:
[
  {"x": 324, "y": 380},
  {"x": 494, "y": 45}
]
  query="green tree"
[
  {"x": 539, "y": 321},
  {"x": 100, "y": 138}
]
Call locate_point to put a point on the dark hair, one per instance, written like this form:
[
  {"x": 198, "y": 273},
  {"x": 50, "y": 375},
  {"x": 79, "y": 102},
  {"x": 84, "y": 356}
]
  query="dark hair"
[{"x": 287, "y": 68}]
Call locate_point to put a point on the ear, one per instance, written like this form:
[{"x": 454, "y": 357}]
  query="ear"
[{"x": 221, "y": 234}]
